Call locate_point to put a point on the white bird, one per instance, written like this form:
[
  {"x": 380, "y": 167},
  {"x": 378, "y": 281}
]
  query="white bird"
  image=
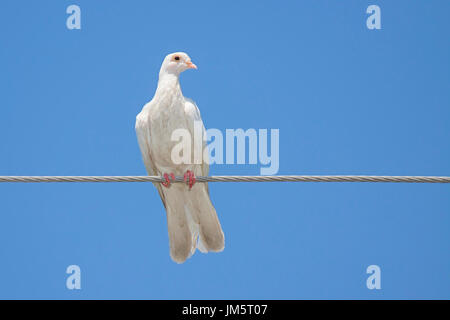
[{"x": 191, "y": 218}]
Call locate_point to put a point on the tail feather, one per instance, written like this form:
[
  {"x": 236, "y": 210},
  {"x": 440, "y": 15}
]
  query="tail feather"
[
  {"x": 192, "y": 222},
  {"x": 180, "y": 238},
  {"x": 204, "y": 213}
]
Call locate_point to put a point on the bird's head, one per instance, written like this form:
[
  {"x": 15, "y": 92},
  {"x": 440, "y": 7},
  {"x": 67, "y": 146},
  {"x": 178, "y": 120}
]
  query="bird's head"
[{"x": 176, "y": 63}]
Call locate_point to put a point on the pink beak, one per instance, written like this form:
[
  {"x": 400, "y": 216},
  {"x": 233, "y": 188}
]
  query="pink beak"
[{"x": 191, "y": 65}]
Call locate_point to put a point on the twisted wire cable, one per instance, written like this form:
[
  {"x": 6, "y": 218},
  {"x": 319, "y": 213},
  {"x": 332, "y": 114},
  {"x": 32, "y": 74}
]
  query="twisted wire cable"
[{"x": 178, "y": 179}]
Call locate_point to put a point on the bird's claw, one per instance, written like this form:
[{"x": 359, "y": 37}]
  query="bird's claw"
[
  {"x": 169, "y": 179},
  {"x": 189, "y": 178}
]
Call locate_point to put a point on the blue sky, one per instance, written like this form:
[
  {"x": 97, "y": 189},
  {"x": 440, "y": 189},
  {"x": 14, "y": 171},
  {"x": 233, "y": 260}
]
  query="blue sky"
[{"x": 347, "y": 100}]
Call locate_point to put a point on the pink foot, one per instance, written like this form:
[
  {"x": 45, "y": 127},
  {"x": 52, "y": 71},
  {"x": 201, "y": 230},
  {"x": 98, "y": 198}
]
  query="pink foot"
[
  {"x": 189, "y": 178},
  {"x": 169, "y": 180}
]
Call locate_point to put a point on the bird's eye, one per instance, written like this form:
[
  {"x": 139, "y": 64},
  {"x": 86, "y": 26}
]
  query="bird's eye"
[{"x": 177, "y": 58}]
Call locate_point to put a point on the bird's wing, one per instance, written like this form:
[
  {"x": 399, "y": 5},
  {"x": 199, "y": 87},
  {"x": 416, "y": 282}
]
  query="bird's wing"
[
  {"x": 143, "y": 135},
  {"x": 193, "y": 114},
  {"x": 199, "y": 207}
]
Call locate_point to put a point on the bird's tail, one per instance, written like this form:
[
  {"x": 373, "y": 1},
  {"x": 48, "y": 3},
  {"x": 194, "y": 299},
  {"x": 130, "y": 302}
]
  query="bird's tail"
[{"x": 192, "y": 222}]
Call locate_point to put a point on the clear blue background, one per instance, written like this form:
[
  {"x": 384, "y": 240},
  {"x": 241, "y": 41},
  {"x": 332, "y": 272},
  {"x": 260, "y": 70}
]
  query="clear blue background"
[{"x": 347, "y": 100}]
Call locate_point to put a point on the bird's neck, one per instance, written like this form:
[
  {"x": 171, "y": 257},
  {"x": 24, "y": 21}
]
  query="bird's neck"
[{"x": 168, "y": 83}]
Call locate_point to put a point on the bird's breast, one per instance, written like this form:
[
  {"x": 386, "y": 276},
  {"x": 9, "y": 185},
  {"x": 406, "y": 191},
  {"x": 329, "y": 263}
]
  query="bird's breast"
[{"x": 168, "y": 117}]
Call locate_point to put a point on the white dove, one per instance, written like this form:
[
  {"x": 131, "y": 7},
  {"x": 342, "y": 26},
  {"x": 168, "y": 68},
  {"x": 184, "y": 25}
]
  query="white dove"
[{"x": 191, "y": 218}]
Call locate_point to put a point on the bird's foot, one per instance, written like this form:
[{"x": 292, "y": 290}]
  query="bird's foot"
[
  {"x": 169, "y": 179},
  {"x": 189, "y": 178}
]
